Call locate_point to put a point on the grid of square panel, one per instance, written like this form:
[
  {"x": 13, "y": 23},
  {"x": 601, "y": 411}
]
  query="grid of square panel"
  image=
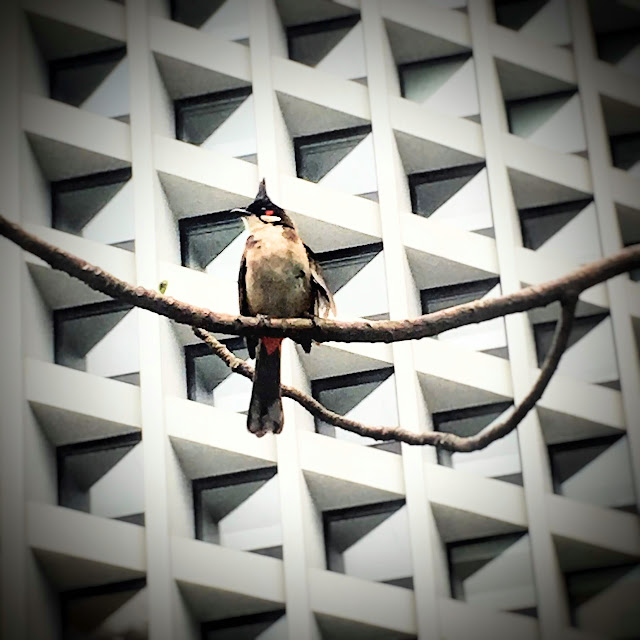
[{"x": 431, "y": 153}]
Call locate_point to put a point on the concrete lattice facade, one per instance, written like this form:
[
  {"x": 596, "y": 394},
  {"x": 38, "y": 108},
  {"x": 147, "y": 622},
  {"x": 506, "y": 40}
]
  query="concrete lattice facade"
[{"x": 431, "y": 152}]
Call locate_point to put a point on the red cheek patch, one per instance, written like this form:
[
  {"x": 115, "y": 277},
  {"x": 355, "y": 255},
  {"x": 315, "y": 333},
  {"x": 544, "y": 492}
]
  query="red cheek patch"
[
  {"x": 271, "y": 344},
  {"x": 269, "y": 212}
]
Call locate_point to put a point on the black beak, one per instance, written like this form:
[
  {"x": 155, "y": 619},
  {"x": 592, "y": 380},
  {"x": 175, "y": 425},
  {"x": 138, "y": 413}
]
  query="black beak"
[
  {"x": 262, "y": 191},
  {"x": 241, "y": 211}
]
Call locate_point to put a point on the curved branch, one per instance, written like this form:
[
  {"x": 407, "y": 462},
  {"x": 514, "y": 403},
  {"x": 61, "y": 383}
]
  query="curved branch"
[
  {"x": 320, "y": 329},
  {"x": 448, "y": 441}
]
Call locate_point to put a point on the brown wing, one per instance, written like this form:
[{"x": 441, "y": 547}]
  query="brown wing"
[
  {"x": 322, "y": 302},
  {"x": 252, "y": 343}
]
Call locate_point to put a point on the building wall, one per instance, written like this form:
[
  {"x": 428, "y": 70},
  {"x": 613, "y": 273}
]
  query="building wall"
[{"x": 431, "y": 153}]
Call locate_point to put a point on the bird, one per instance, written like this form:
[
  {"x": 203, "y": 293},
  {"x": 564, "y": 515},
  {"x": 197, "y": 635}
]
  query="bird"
[{"x": 279, "y": 277}]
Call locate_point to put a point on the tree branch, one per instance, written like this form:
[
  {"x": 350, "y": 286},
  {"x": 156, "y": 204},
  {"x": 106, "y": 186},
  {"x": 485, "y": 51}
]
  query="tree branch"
[
  {"x": 320, "y": 329},
  {"x": 448, "y": 441}
]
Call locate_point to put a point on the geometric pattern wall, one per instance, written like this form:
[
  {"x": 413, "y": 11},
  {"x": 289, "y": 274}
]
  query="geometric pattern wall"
[{"x": 431, "y": 153}]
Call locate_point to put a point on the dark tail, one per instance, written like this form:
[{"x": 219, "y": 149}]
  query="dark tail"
[{"x": 265, "y": 408}]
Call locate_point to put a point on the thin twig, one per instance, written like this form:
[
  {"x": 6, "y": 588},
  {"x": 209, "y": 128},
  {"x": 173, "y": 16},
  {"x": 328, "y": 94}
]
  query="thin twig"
[
  {"x": 448, "y": 441},
  {"x": 321, "y": 329}
]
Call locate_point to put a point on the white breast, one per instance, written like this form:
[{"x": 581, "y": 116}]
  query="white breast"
[{"x": 277, "y": 278}]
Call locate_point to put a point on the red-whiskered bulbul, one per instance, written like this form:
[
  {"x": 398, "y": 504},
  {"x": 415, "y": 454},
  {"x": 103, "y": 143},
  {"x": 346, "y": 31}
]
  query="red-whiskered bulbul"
[{"x": 279, "y": 278}]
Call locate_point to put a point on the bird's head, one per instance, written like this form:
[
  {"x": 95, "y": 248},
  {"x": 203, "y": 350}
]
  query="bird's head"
[{"x": 262, "y": 211}]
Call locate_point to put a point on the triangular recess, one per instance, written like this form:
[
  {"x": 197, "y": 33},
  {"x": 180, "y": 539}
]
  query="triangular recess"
[
  {"x": 59, "y": 160},
  {"x": 255, "y": 523},
  {"x": 530, "y": 191},
  {"x": 411, "y": 45},
  {"x": 480, "y": 337},
  {"x": 356, "y": 172},
  {"x": 226, "y": 263},
  {"x": 339, "y": 269},
  {"x": 346, "y": 59},
  {"x": 230, "y": 21},
  {"x": 468, "y": 207},
  {"x": 539, "y": 225},
  {"x": 420, "y": 155},
  {"x": 125, "y": 480},
  {"x": 184, "y": 80},
  {"x": 114, "y": 222},
  {"x": 117, "y": 353},
  {"x": 563, "y": 130},
  {"x": 76, "y": 205},
  {"x": 311, "y": 48},
  {"x": 604, "y": 479},
  {"x": 592, "y": 357},
  {"x": 221, "y": 501},
  {"x": 458, "y": 95},
  {"x": 378, "y": 407},
  {"x": 79, "y": 335},
  {"x": 550, "y": 24},
  {"x": 235, "y": 136},
  {"x": 459, "y": 524},
  {"x": 501, "y": 458},
  {"x": 111, "y": 97},
  {"x": 369, "y": 402},
  {"x": 519, "y": 82},
  {"x": 194, "y": 13},
  {"x": 507, "y": 576},
  {"x": 388, "y": 541},
  {"x": 232, "y": 394},
  {"x": 88, "y": 614},
  {"x": 346, "y": 532},
  {"x": 355, "y": 298},
  {"x": 87, "y": 468},
  {"x": 316, "y": 155},
  {"x": 576, "y": 239},
  {"x": 307, "y": 118},
  {"x": 631, "y": 62},
  {"x": 58, "y": 40},
  {"x": 295, "y": 13},
  {"x": 613, "y": 611},
  {"x": 514, "y": 15}
]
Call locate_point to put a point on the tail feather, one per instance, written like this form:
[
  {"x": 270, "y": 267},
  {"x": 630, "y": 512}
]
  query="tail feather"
[{"x": 265, "y": 409}]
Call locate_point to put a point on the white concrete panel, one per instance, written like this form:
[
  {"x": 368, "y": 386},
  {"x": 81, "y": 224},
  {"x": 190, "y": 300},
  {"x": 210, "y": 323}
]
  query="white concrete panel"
[
  {"x": 81, "y": 535},
  {"x": 230, "y": 21},
  {"x": 593, "y": 358},
  {"x": 111, "y": 97},
  {"x": 605, "y": 481},
  {"x": 366, "y": 293},
  {"x": 470, "y": 207},
  {"x": 114, "y": 222},
  {"x": 120, "y": 492},
  {"x": 356, "y": 172},
  {"x": 550, "y": 24},
  {"x": 578, "y": 240},
  {"x": 236, "y": 136},
  {"x": 373, "y": 603},
  {"x": 346, "y": 60},
  {"x": 383, "y": 553},
  {"x": 458, "y": 96},
  {"x": 117, "y": 353},
  {"x": 564, "y": 130}
]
